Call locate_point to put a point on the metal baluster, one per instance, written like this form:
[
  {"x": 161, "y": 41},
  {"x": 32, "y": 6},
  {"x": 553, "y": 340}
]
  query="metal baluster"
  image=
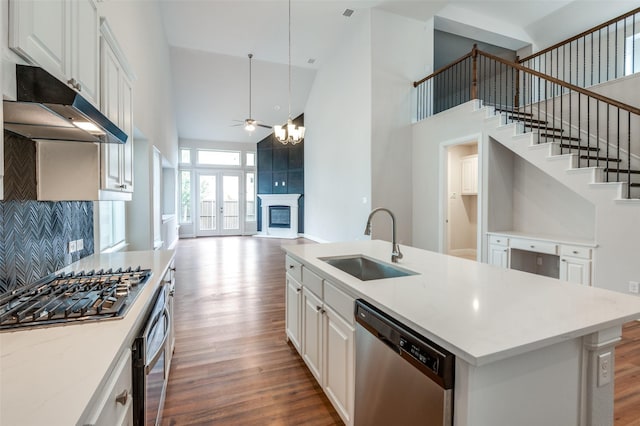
[{"x": 628, "y": 155}]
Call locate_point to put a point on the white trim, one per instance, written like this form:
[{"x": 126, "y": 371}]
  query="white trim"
[
  {"x": 289, "y": 200},
  {"x": 314, "y": 238}
]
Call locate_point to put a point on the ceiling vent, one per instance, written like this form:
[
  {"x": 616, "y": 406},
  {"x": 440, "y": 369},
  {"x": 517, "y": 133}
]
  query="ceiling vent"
[{"x": 347, "y": 13}]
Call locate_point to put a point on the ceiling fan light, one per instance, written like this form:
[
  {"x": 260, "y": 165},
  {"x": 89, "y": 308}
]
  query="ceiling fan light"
[
  {"x": 280, "y": 133},
  {"x": 249, "y": 126}
]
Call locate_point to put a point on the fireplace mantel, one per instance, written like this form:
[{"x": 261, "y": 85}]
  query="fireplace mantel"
[{"x": 289, "y": 200}]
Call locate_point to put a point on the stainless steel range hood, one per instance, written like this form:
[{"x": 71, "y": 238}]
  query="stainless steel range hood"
[{"x": 47, "y": 109}]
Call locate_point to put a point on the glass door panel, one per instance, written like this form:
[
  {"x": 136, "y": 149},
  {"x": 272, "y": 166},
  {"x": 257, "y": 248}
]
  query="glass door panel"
[
  {"x": 207, "y": 208},
  {"x": 231, "y": 207}
]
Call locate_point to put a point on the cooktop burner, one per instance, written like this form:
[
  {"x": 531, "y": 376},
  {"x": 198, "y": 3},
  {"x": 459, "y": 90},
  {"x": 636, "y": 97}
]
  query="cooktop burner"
[{"x": 72, "y": 297}]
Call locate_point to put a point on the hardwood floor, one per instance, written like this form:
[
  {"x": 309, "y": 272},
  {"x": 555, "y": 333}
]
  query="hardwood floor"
[{"x": 232, "y": 364}]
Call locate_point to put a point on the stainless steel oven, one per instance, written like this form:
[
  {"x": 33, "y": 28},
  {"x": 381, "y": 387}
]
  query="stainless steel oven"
[{"x": 150, "y": 363}]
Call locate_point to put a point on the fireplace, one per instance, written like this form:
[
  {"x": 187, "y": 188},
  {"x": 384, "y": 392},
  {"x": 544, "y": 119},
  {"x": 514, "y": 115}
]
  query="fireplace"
[{"x": 279, "y": 215}]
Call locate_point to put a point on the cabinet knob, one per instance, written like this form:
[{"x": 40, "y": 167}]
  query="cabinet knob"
[
  {"x": 564, "y": 260},
  {"x": 298, "y": 290},
  {"x": 123, "y": 397},
  {"x": 532, "y": 246},
  {"x": 575, "y": 252},
  {"x": 291, "y": 266},
  {"x": 123, "y": 186}
]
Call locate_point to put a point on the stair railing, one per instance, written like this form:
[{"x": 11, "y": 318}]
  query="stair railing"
[
  {"x": 605, "y": 52},
  {"x": 596, "y": 128}
]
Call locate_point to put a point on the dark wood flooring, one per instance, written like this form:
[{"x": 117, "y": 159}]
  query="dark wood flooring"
[{"x": 232, "y": 364}]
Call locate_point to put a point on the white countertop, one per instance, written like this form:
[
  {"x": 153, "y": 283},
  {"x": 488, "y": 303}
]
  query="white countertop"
[
  {"x": 49, "y": 375},
  {"x": 479, "y": 312}
]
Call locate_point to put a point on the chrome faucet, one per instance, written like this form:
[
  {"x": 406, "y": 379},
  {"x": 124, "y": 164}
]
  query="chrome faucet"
[{"x": 395, "y": 249}]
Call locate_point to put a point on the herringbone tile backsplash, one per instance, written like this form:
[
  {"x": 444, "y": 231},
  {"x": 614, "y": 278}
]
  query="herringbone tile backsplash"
[{"x": 34, "y": 238}]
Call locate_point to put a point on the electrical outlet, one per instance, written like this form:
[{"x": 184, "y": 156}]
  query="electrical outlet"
[
  {"x": 79, "y": 244},
  {"x": 634, "y": 287},
  {"x": 604, "y": 369},
  {"x": 72, "y": 247},
  {"x": 539, "y": 260}
]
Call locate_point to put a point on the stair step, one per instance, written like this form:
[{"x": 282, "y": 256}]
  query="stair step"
[
  {"x": 561, "y": 137},
  {"x": 510, "y": 111},
  {"x": 527, "y": 120},
  {"x": 596, "y": 158},
  {"x": 578, "y": 147},
  {"x": 621, "y": 171},
  {"x": 542, "y": 126}
]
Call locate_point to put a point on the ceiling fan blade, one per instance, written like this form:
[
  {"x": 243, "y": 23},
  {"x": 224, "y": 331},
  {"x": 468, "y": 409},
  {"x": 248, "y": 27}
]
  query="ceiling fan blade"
[
  {"x": 264, "y": 125},
  {"x": 236, "y": 125}
]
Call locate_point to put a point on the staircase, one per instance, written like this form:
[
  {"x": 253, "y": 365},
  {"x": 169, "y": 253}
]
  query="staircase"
[{"x": 622, "y": 173}]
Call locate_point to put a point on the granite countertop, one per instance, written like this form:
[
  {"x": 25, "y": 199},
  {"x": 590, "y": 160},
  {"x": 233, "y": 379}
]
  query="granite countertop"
[
  {"x": 50, "y": 375},
  {"x": 481, "y": 313}
]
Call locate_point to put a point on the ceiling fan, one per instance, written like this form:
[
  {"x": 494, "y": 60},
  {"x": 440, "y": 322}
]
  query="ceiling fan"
[{"x": 249, "y": 123}]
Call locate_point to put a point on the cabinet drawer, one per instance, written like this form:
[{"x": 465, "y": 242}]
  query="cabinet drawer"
[
  {"x": 114, "y": 404},
  {"x": 339, "y": 302},
  {"x": 498, "y": 240},
  {"x": 293, "y": 268},
  {"x": 533, "y": 245},
  {"x": 312, "y": 281},
  {"x": 575, "y": 251}
]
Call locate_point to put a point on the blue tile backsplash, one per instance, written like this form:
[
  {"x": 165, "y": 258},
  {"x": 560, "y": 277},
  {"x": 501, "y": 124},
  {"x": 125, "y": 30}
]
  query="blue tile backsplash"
[{"x": 34, "y": 238}]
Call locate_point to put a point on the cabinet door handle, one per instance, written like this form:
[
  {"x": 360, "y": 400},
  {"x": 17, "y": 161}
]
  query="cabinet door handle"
[
  {"x": 575, "y": 252},
  {"x": 123, "y": 397},
  {"x": 532, "y": 246},
  {"x": 564, "y": 260},
  {"x": 298, "y": 290},
  {"x": 123, "y": 186},
  {"x": 291, "y": 266}
]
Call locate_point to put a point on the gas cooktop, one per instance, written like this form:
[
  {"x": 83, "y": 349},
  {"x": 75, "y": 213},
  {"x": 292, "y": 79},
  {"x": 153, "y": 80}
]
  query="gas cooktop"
[{"x": 72, "y": 297}]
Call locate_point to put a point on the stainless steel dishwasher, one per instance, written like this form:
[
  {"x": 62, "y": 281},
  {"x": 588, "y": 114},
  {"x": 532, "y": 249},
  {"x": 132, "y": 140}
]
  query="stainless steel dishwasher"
[{"x": 401, "y": 377}]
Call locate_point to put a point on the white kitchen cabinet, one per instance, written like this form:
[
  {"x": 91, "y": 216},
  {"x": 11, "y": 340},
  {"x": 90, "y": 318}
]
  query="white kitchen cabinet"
[
  {"x": 339, "y": 370},
  {"x": 498, "y": 251},
  {"x": 294, "y": 311},
  {"x": 117, "y": 103},
  {"x": 114, "y": 406},
  {"x": 321, "y": 326},
  {"x": 469, "y": 178},
  {"x": 575, "y": 264},
  {"x": 312, "y": 327},
  {"x": 62, "y": 37}
]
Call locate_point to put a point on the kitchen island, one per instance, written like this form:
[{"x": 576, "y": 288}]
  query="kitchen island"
[
  {"x": 55, "y": 375},
  {"x": 527, "y": 347}
]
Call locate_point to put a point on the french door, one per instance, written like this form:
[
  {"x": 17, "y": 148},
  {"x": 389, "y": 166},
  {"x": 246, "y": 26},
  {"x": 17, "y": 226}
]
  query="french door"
[{"x": 218, "y": 203}]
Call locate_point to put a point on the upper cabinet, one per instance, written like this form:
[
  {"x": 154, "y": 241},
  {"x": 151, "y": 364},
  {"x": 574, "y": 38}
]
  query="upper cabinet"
[
  {"x": 117, "y": 103},
  {"x": 469, "y": 168},
  {"x": 62, "y": 37}
]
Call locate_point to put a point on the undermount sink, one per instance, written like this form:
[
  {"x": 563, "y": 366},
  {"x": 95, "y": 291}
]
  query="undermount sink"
[{"x": 365, "y": 268}]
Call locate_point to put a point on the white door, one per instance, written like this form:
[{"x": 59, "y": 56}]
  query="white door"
[{"x": 218, "y": 204}]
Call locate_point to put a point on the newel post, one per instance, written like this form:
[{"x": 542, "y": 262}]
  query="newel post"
[{"x": 474, "y": 71}]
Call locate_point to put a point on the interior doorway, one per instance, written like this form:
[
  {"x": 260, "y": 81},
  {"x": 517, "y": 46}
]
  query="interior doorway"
[
  {"x": 218, "y": 204},
  {"x": 461, "y": 193}
]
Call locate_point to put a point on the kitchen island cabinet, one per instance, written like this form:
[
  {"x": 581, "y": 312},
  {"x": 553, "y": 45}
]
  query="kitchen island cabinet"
[
  {"x": 61, "y": 375},
  {"x": 517, "y": 337}
]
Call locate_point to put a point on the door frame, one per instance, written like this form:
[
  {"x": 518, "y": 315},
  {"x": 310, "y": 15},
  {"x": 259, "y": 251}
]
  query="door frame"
[
  {"x": 219, "y": 174},
  {"x": 443, "y": 182}
]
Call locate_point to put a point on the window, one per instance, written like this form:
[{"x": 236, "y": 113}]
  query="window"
[
  {"x": 251, "y": 159},
  {"x": 218, "y": 158},
  {"x": 250, "y": 197},
  {"x": 112, "y": 224},
  {"x": 185, "y": 196},
  {"x": 185, "y": 156},
  {"x": 632, "y": 55}
]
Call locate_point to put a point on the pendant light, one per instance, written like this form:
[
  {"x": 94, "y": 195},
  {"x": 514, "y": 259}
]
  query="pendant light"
[{"x": 290, "y": 133}]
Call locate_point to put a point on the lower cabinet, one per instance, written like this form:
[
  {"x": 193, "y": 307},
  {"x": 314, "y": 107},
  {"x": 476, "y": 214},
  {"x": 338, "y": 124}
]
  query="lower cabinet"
[
  {"x": 499, "y": 251},
  {"x": 293, "y": 320},
  {"x": 114, "y": 406},
  {"x": 321, "y": 327}
]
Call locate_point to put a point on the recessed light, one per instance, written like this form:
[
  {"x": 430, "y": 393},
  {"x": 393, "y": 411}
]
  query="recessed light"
[
  {"x": 311, "y": 61},
  {"x": 347, "y": 13}
]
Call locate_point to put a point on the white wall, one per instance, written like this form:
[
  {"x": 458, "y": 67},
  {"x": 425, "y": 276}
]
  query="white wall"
[
  {"x": 337, "y": 152},
  {"x": 402, "y": 51}
]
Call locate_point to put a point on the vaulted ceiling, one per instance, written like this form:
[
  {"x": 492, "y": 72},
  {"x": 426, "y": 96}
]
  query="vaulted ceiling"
[{"x": 210, "y": 41}]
